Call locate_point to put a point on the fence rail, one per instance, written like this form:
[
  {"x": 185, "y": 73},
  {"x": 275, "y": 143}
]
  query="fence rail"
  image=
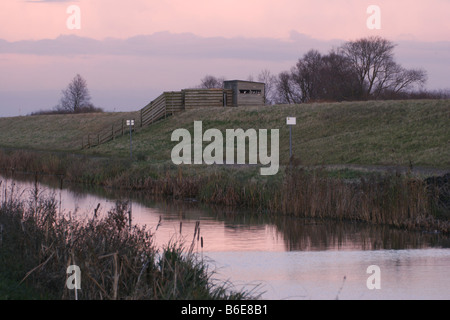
[
  {"x": 167, "y": 104},
  {"x": 117, "y": 129}
]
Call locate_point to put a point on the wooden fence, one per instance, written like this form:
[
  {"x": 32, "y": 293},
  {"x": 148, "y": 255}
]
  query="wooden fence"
[
  {"x": 117, "y": 129},
  {"x": 201, "y": 98},
  {"x": 168, "y": 103}
]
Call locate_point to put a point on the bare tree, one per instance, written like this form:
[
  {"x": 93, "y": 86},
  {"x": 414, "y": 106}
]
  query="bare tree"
[
  {"x": 373, "y": 61},
  {"x": 286, "y": 91},
  {"x": 404, "y": 79},
  {"x": 338, "y": 80},
  {"x": 270, "y": 86},
  {"x": 75, "y": 98},
  {"x": 211, "y": 82},
  {"x": 306, "y": 75},
  {"x": 370, "y": 57}
]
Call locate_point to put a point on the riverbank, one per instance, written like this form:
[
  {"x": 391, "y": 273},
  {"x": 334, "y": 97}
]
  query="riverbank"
[
  {"x": 358, "y": 161},
  {"x": 391, "y": 198},
  {"x": 386, "y": 153},
  {"x": 116, "y": 260}
]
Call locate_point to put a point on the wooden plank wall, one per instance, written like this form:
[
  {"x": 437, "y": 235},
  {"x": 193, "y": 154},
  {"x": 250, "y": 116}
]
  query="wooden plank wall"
[
  {"x": 174, "y": 102},
  {"x": 153, "y": 111},
  {"x": 204, "y": 98},
  {"x": 250, "y": 99},
  {"x": 253, "y": 96},
  {"x": 166, "y": 104}
]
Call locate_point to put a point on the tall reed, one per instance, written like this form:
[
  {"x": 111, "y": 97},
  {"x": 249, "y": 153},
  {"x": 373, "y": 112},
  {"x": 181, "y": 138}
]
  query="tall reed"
[
  {"x": 390, "y": 199},
  {"x": 117, "y": 260},
  {"x": 393, "y": 199}
]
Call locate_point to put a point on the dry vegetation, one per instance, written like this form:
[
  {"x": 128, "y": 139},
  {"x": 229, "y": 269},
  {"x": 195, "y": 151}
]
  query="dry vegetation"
[{"x": 117, "y": 260}]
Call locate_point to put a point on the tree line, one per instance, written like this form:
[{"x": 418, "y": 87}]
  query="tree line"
[{"x": 363, "y": 69}]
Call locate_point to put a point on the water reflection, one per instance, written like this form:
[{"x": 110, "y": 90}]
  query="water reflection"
[
  {"x": 227, "y": 229},
  {"x": 325, "y": 235}
]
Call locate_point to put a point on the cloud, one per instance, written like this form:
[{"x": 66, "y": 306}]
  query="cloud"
[{"x": 166, "y": 44}]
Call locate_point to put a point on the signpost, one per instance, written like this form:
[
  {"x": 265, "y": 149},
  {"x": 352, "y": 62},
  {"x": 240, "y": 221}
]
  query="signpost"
[
  {"x": 131, "y": 124},
  {"x": 290, "y": 121}
]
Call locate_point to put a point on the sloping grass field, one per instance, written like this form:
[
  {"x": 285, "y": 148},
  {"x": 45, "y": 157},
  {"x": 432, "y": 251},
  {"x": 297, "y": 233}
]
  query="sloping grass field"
[{"x": 399, "y": 133}]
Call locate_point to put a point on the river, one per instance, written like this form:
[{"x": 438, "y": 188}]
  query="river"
[{"x": 280, "y": 258}]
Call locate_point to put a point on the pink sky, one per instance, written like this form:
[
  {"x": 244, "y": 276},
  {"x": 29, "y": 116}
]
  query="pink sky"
[
  {"x": 323, "y": 19},
  {"x": 232, "y": 38}
]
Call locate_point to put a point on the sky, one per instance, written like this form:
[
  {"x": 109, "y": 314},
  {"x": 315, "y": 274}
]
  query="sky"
[{"x": 131, "y": 51}]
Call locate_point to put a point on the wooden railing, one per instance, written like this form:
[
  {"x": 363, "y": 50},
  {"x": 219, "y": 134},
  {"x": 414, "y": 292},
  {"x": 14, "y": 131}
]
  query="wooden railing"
[
  {"x": 117, "y": 129},
  {"x": 167, "y": 104}
]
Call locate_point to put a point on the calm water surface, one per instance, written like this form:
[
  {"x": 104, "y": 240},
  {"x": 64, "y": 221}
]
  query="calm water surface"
[{"x": 283, "y": 258}]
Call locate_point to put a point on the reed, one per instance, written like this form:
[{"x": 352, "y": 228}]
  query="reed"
[
  {"x": 399, "y": 200},
  {"x": 390, "y": 199},
  {"x": 117, "y": 260}
]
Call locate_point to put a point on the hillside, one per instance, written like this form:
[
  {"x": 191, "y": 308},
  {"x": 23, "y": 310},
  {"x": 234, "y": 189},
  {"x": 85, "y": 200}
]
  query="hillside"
[
  {"x": 366, "y": 133},
  {"x": 54, "y": 132}
]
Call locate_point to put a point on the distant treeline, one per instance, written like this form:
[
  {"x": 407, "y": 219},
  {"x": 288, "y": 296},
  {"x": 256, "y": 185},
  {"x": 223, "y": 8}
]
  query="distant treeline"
[{"x": 364, "y": 69}]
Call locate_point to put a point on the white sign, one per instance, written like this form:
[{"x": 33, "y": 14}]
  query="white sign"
[
  {"x": 130, "y": 122},
  {"x": 291, "y": 121}
]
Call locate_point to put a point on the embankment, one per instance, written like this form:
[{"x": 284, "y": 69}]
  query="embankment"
[{"x": 407, "y": 134}]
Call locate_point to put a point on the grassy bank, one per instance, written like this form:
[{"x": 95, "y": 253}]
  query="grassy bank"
[
  {"x": 390, "y": 133},
  {"x": 116, "y": 260},
  {"x": 393, "y": 199},
  {"x": 365, "y": 133},
  {"x": 59, "y": 132},
  {"x": 122, "y": 263}
]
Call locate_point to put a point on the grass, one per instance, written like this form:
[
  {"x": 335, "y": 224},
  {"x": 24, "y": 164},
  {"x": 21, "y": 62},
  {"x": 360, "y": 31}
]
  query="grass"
[
  {"x": 369, "y": 133},
  {"x": 365, "y": 133},
  {"x": 54, "y": 132}
]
